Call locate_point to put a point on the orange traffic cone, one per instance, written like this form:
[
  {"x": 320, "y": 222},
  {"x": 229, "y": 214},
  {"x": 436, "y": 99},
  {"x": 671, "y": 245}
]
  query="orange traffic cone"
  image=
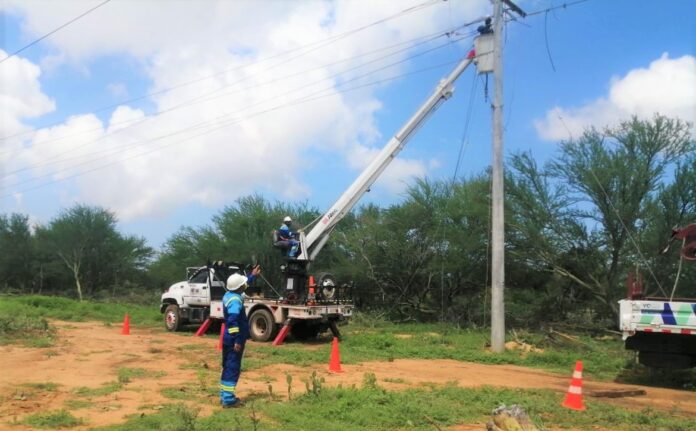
[
  {"x": 222, "y": 334},
  {"x": 335, "y": 361},
  {"x": 573, "y": 399},
  {"x": 125, "y": 330}
]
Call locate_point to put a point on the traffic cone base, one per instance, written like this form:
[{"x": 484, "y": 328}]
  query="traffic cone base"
[
  {"x": 335, "y": 360},
  {"x": 125, "y": 329},
  {"x": 573, "y": 398}
]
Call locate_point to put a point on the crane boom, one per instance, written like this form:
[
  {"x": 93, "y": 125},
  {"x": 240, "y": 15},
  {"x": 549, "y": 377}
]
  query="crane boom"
[{"x": 313, "y": 241}]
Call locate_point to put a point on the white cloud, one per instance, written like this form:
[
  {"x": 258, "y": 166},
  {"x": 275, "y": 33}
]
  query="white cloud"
[
  {"x": 667, "y": 86},
  {"x": 223, "y": 135},
  {"x": 20, "y": 95}
]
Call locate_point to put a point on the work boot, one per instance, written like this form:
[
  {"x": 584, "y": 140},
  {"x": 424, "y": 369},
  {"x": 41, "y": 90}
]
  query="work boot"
[{"x": 236, "y": 403}]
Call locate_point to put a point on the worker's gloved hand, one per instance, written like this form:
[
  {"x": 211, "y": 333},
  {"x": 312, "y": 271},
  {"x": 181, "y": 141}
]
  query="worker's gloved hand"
[{"x": 237, "y": 347}]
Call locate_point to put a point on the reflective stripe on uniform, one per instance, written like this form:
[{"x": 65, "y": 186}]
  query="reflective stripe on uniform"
[
  {"x": 227, "y": 388},
  {"x": 233, "y": 330},
  {"x": 233, "y": 298}
]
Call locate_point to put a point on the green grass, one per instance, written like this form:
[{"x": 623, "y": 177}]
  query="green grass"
[
  {"x": 36, "y": 307},
  {"x": 55, "y": 419},
  {"x": 601, "y": 359},
  {"x": 23, "y": 319},
  {"x": 372, "y": 408},
  {"x": 44, "y": 387},
  {"x": 105, "y": 389},
  {"x": 16, "y": 327},
  {"x": 126, "y": 375}
]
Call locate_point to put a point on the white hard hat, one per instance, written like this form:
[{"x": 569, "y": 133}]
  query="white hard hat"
[
  {"x": 287, "y": 218},
  {"x": 236, "y": 281}
]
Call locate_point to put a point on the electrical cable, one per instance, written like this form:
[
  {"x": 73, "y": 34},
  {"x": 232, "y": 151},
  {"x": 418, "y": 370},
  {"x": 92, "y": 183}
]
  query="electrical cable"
[
  {"x": 676, "y": 279},
  {"x": 222, "y": 126},
  {"x": 313, "y": 45},
  {"x": 462, "y": 148},
  {"x": 188, "y": 103},
  {"x": 55, "y": 30},
  {"x": 423, "y": 40},
  {"x": 562, "y": 6},
  {"x": 546, "y": 39},
  {"x": 206, "y": 98},
  {"x": 204, "y": 123}
]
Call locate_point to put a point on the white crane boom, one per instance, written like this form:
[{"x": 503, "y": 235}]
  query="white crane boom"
[{"x": 313, "y": 241}]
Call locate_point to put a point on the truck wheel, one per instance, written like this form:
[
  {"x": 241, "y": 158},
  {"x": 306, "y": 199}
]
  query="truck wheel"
[
  {"x": 172, "y": 320},
  {"x": 304, "y": 330},
  {"x": 262, "y": 326},
  {"x": 326, "y": 283}
]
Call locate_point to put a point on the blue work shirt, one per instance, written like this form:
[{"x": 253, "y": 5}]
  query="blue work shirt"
[
  {"x": 236, "y": 321},
  {"x": 284, "y": 233}
]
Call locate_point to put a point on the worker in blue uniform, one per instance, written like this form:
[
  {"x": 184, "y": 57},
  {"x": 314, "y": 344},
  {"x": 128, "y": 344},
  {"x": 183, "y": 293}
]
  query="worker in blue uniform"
[
  {"x": 287, "y": 238},
  {"x": 235, "y": 336}
]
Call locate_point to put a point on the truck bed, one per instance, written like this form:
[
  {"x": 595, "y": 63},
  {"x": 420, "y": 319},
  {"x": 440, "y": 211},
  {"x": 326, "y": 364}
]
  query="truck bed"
[{"x": 657, "y": 315}]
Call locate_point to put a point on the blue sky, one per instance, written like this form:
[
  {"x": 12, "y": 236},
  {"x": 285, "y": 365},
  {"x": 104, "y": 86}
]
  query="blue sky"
[{"x": 223, "y": 114}]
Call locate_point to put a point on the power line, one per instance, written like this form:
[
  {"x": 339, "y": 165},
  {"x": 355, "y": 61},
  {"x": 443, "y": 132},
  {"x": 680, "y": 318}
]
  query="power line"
[
  {"x": 211, "y": 95},
  {"x": 311, "y": 47},
  {"x": 215, "y": 121},
  {"x": 562, "y": 6},
  {"x": 55, "y": 30},
  {"x": 60, "y": 159},
  {"x": 224, "y": 125}
]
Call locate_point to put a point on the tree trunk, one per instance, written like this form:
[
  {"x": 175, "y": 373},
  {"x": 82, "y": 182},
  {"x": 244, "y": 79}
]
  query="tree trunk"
[
  {"x": 74, "y": 266},
  {"x": 76, "y": 274}
]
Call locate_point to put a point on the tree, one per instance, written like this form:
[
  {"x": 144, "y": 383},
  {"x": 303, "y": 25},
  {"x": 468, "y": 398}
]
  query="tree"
[
  {"x": 598, "y": 200},
  {"x": 17, "y": 261},
  {"x": 674, "y": 205},
  {"x": 87, "y": 244},
  {"x": 241, "y": 232}
]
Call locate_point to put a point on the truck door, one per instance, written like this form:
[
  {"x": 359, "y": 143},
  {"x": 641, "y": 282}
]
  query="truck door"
[
  {"x": 217, "y": 285},
  {"x": 198, "y": 288}
]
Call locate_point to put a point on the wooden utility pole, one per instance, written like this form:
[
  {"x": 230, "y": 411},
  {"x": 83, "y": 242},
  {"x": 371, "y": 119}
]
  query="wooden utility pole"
[{"x": 498, "y": 210}]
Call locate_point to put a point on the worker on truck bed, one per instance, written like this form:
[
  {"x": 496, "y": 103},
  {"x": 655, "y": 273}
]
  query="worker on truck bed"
[
  {"x": 235, "y": 336},
  {"x": 288, "y": 238}
]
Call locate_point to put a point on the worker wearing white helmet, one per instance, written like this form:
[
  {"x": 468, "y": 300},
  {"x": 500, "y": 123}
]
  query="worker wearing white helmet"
[
  {"x": 287, "y": 238},
  {"x": 235, "y": 336}
]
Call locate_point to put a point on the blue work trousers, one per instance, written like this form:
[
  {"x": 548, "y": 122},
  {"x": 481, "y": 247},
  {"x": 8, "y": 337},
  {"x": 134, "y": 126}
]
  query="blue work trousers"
[{"x": 231, "y": 369}]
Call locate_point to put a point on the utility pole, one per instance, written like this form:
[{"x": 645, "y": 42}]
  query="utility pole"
[
  {"x": 497, "y": 202},
  {"x": 497, "y": 192}
]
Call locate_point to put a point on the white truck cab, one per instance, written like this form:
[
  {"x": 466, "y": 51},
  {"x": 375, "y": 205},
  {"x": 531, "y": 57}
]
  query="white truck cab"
[
  {"x": 189, "y": 301},
  {"x": 199, "y": 298}
]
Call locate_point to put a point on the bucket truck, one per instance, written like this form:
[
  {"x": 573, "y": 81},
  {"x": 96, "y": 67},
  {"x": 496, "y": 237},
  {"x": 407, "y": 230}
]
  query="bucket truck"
[
  {"x": 661, "y": 330},
  {"x": 307, "y": 304}
]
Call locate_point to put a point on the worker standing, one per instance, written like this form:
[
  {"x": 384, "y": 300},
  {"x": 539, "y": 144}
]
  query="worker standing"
[{"x": 235, "y": 336}]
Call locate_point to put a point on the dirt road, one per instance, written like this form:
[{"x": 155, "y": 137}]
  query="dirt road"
[{"x": 88, "y": 356}]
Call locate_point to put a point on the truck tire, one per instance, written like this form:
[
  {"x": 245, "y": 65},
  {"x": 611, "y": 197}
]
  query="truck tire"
[
  {"x": 262, "y": 326},
  {"x": 304, "y": 330},
  {"x": 172, "y": 318},
  {"x": 327, "y": 286}
]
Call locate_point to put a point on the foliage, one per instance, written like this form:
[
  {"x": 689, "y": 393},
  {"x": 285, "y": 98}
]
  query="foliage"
[
  {"x": 372, "y": 408},
  {"x": 81, "y": 247},
  {"x": 601, "y": 207},
  {"x": 24, "y": 318},
  {"x": 239, "y": 233},
  {"x": 15, "y": 327},
  {"x": 52, "y": 420},
  {"x": 592, "y": 213}
]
